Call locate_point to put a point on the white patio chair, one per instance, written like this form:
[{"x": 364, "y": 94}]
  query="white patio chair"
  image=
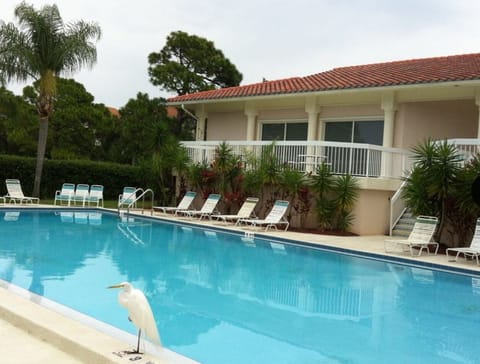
[
  {"x": 65, "y": 195},
  {"x": 81, "y": 194},
  {"x": 127, "y": 197},
  {"x": 245, "y": 212},
  {"x": 15, "y": 193},
  {"x": 95, "y": 196},
  {"x": 208, "y": 209},
  {"x": 420, "y": 237},
  {"x": 275, "y": 217},
  {"x": 473, "y": 251},
  {"x": 184, "y": 204}
]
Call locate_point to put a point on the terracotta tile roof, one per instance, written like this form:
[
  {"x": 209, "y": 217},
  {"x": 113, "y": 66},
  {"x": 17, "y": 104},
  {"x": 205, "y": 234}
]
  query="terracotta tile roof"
[
  {"x": 415, "y": 71},
  {"x": 114, "y": 111},
  {"x": 172, "y": 111}
]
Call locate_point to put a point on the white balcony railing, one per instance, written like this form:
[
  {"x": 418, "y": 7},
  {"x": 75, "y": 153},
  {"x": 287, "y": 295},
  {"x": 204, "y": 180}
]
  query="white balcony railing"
[
  {"x": 363, "y": 160},
  {"x": 467, "y": 147}
]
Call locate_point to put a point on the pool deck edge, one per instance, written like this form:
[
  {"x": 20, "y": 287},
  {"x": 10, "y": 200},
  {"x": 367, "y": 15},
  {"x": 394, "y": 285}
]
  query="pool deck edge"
[{"x": 79, "y": 341}]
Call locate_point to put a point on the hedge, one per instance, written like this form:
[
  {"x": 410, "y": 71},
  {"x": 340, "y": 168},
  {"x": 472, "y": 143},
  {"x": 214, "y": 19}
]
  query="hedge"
[{"x": 112, "y": 176}]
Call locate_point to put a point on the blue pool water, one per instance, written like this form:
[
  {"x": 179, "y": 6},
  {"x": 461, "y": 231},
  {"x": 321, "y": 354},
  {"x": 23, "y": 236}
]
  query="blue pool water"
[{"x": 220, "y": 298}]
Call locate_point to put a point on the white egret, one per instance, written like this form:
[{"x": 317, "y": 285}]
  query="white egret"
[{"x": 139, "y": 312}]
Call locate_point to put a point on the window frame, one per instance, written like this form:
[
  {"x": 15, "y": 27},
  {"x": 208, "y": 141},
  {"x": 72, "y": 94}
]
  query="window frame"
[
  {"x": 353, "y": 120},
  {"x": 281, "y": 121}
]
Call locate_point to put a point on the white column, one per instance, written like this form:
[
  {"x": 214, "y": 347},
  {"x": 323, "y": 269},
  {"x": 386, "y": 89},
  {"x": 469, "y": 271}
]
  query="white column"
[
  {"x": 201, "y": 115},
  {"x": 251, "y": 114},
  {"x": 313, "y": 156},
  {"x": 389, "y": 107},
  {"x": 312, "y": 110},
  {"x": 477, "y": 102}
]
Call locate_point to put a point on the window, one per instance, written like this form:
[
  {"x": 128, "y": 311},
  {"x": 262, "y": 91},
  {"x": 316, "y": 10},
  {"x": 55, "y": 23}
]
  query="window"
[
  {"x": 349, "y": 160},
  {"x": 368, "y": 132},
  {"x": 283, "y": 131}
]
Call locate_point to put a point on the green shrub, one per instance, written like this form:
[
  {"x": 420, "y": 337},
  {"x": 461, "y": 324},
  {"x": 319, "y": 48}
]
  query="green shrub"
[{"x": 56, "y": 172}]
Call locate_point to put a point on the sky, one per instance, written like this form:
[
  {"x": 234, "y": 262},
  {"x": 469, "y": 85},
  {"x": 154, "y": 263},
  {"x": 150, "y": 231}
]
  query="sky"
[{"x": 263, "y": 38}]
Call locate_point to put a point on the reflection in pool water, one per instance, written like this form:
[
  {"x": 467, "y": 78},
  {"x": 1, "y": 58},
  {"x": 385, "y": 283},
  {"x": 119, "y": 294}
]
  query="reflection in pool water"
[{"x": 226, "y": 298}]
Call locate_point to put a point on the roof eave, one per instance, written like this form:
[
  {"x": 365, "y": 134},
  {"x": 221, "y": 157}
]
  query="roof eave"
[{"x": 389, "y": 88}]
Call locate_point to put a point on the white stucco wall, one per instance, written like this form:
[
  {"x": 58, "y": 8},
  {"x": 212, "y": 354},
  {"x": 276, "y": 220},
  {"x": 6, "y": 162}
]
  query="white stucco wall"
[
  {"x": 227, "y": 126},
  {"x": 372, "y": 213},
  {"x": 350, "y": 111},
  {"x": 416, "y": 121}
]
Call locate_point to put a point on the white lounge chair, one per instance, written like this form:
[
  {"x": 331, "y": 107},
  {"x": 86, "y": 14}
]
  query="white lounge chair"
[
  {"x": 420, "y": 237},
  {"x": 208, "y": 209},
  {"x": 184, "y": 204},
  {"x": 95, "y": 196},
  {"x": 65, "y": 195},
  {"x": 11, "y": 215},
  {"x": 81, "y": 194},
  {"x": 127, "y": 197},
  {"x": 473, "y": 251},
  {"x": 246, "y": 211},
  {"x": 275, "y": 217},
  {"x": 15, "y": 193}
]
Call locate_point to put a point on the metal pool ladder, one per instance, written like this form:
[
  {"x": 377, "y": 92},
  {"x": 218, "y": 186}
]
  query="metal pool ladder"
[{"x": 141, "y": 196}]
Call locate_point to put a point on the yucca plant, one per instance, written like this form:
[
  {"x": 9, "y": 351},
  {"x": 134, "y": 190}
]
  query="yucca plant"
[
  {"x": 291, "y": 182},
  {"x": 322, "y": 183},
  {"x": 262, "y": 175},
  {"x": 229, "y": 174},
  {"x": 462, "y": 210},
  {"x": 435, "y": 173},
  {"x": 346, "y": 190}
]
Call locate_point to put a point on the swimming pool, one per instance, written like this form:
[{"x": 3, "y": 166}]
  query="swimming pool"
[{"x": 219, "y": 297}]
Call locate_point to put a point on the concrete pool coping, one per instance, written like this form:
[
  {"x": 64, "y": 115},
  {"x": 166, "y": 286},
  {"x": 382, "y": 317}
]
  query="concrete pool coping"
[{"x": 27, "y": 326}]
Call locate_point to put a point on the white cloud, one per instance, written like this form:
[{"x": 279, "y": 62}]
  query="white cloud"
[{"x": 271, "y": 39}]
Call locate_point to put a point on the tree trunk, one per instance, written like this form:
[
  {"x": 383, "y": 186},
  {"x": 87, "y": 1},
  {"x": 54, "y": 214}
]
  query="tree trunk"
[{"x": 41, "y": 147}]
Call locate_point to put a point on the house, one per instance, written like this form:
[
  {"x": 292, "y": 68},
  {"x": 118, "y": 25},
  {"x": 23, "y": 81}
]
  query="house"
[{"x": 360, "y": 119}]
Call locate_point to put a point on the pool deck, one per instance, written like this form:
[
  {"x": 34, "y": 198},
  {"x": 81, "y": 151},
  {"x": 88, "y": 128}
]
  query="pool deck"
[{"x": 35, "y": 334}]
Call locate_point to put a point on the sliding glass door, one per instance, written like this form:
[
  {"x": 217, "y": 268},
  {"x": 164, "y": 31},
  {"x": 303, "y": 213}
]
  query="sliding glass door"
[{"x": 349, "y": 160}]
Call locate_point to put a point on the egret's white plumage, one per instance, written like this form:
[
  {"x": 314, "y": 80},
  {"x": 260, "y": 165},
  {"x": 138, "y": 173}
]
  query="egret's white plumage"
[{"x": 139, "y": 311}]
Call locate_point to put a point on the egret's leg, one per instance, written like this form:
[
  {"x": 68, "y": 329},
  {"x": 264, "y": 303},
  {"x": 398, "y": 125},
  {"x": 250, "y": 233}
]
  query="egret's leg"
[{"x": 138, "y": 341}]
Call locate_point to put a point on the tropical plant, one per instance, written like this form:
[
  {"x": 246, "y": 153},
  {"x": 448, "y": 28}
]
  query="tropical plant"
[
  {"x": 202, "y": 178},
  {"x": 227, "y": 167},
  {"x": 292, "y": 183},
  {"x": 462, "y": 210},
  {"x": 43, "y": 47},
  {"x": 263, "y": 173},
  {"x": 435, "y": 173},
  {"x": 336, "y": 196},
  {"x": 230, "y": 173},
  {"x": 166, "y": 163},
  {"x": 346, "y": 191},
  {"x": 322, "y": 184}
]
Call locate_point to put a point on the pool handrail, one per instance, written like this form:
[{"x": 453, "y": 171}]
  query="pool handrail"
[{"x": 142, "y": 197}]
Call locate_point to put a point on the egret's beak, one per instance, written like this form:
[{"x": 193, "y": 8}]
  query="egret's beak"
[{"x": 116, "y": 286}]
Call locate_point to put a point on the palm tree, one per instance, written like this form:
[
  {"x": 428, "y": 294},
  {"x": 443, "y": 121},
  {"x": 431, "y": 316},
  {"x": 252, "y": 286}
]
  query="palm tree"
[{"x": 42, "y": 48}]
